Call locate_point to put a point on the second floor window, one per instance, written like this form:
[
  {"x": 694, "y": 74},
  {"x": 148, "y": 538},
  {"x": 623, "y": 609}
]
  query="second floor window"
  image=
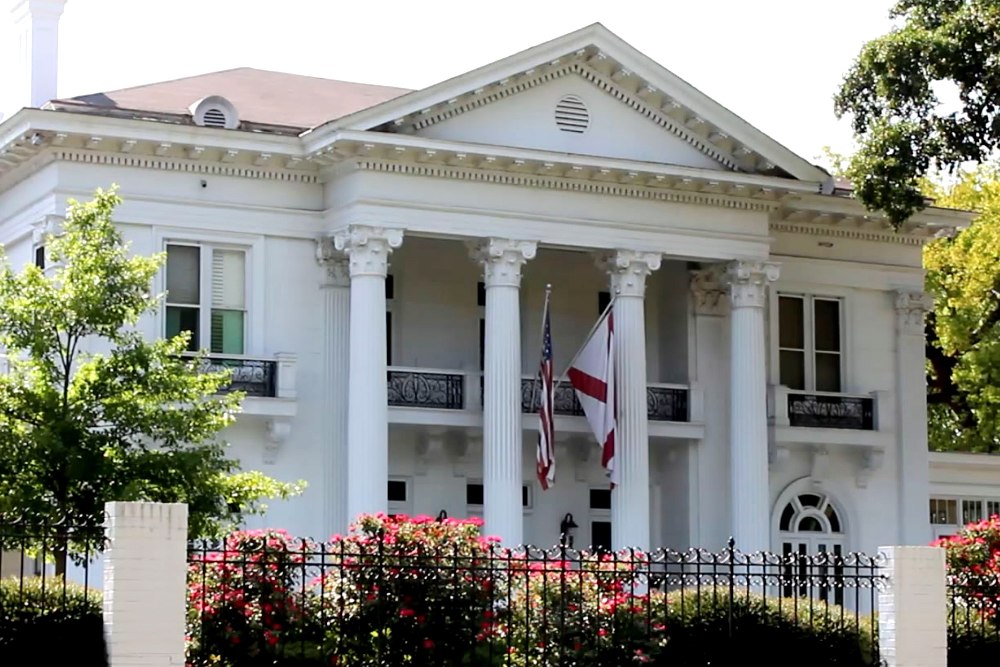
[
  {"x": 206, "y": 295},
  {"x": 809, "y": 342}
]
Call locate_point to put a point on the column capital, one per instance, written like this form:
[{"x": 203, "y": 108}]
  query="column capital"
[
  {"x": 911, "y": 305},
  {"x": 368, "y": 248},
  {"x": 748, "y": 280},
  {"x": 502, "y": 259},
  {"x": 334, "y": 263},
  {"x": 707, "y": 292},
  {"x": 628, "y": 270}
]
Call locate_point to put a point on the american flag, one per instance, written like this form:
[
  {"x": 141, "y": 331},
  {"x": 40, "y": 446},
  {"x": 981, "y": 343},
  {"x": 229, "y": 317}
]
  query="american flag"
[{"x": 546, "y": 456}]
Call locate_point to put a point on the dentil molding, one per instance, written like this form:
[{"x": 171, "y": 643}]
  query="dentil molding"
[
  {"x": 502, "y": 259},
  {"x": 628, "y": 270},
  {"x": 368, "y": 248},
  {"x": 748, "y": 281}
]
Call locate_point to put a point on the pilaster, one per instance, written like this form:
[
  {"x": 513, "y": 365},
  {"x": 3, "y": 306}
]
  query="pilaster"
[
  {"x": 911, "y": 417},
  {"x": 335, "y": 289}
]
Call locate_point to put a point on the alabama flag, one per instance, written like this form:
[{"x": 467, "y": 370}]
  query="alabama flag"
[{"x": 592, "y": 376}]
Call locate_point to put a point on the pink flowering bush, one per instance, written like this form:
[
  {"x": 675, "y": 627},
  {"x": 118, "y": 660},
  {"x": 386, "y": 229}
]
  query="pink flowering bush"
[
  {"x": 592, "y": 611},
  {"x": 244, "y": 604},
  {"x": 411, "y": 590},
  {"x": 973, "y": 561}
]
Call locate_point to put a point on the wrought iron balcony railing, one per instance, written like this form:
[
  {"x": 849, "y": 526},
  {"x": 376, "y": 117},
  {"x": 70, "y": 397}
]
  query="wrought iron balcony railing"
[
  {"x": 414, "y": 388},
  {"x": 254, "y": 377},
  {"x": 831, "y": 411},
  {"x": 663, "y": 402}
]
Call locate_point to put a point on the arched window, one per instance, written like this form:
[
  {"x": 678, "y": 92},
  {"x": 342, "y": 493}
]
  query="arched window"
[{"x": 810, "y": 525}]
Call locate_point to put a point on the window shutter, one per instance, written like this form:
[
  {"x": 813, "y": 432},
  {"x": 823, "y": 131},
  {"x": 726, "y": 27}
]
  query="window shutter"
[{"x": 228, "y": 277}]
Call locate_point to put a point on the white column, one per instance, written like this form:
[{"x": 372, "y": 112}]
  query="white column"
[
  {"x": 502, "y": 260},
  {"x": 145, "y": 583},
  {"x": 911, "y": 420},
  {"x": 748, "y": 283},
  {"x": 630, "y": 498},
  {"x": 368, "y": 250},
  {"x": 336, "y": 292},
  {"x": 913, "y": 608}
]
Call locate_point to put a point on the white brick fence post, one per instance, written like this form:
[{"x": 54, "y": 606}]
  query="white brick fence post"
[
  {"x": 912, "y": 610},
  {"x": 145, "y": 569}
]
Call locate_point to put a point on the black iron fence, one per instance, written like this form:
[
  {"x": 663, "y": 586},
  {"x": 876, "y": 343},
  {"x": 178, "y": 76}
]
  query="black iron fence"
[
  {"x": 391, "y": 599},
  {"x": 254, "y": 377},
  {"x": 48, "y": 592},
  {"x": 973, "y": 621}
]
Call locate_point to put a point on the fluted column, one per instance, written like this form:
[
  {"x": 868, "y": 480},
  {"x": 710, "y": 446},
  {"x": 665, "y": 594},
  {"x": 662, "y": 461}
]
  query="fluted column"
[
  {"x": 502, "y": 260},
  {"x": 749, "y": 492},
  {"x": 628, "y": 270},
  {"x": 336, "y": 354},
  {"x": 368, "y": 250},
  {"x": 911, "y": 421}
]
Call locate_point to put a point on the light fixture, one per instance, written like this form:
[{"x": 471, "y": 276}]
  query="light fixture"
[
  {"x": 567, "y": 530},
  {"x": 442, "y": 515}
]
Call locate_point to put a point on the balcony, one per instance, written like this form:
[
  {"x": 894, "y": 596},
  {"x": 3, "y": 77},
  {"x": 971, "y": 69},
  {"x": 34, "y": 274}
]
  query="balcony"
[
  {"x": 438, "y": 397},
  {"x": 664, "y": 402},
  {"x": 831, "y": 411},
  {"x": 268, "y": 383},
  {"x": 421, "y": 388},
  {"x": 820, "y": 420}
]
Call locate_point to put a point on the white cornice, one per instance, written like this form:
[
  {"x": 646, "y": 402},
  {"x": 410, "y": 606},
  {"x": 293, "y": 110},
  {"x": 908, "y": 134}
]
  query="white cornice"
[
  {"x": 352, "y": 143},
  {"x": 964, "y": 460}
]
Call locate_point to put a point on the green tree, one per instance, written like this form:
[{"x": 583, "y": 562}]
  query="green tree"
[
  {"x": 898, "y": 95},
  {"x": 963, "y": 330},
  {"x": 92, "y": 412}
]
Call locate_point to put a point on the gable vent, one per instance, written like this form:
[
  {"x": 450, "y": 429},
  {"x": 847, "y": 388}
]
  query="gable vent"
[
  {"x": 214, "y": 118},
  {"x": 572, "y": 115}
]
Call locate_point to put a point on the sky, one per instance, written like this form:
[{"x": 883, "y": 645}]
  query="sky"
[{"x": 776, "y": 63}]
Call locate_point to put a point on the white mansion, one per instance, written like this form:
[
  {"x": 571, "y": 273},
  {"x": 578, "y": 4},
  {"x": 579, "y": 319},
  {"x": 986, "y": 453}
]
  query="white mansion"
[{"x": 372, "y": 263}]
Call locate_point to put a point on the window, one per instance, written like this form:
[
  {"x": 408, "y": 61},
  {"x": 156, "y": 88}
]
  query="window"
[
  {"x": 809, "y": 525},
  {"x": 40, "y": 257},
  {"x": 809, "y": 343},
  {"x": 600, "y": 519},
  {"x": 396, "y": 491},
  {"x": 206, "y": 295},
  {"x": 390, "y": 291},
  {"x": 944, "y": 511},
  {"x": 474, "y": 495},
  {"x": 603, "y": 299}
]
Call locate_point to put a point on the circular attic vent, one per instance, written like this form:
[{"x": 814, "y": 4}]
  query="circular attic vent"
[
  {"x": 572, "y": 115},
  {"x": 215, "y": 111}
]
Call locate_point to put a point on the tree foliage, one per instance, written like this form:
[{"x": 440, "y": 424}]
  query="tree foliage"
[
  {"x": 897, "y": 94},
  {"x": 92, "y": 412},
  {"x": 963, "y": 330}
]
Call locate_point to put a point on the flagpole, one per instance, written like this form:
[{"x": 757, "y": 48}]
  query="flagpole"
[
  {"x": 545, "y": 309},
  {"x": 604, "y": 315}
]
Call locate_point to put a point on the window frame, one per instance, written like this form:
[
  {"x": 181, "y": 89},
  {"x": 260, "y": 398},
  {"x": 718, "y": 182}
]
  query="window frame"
[
  {"x": 527, "y": 497},
  {"x": 810, "y": 353},
  {"x": 254, "y": 297}
]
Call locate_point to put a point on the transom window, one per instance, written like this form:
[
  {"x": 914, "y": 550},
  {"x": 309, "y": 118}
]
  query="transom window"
[
  {"x": 206, "y": 295},
  {"x": 809, "y": 342}
]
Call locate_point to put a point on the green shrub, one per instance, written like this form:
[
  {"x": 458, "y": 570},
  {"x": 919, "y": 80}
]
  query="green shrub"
[
  {"x": 784, "y": 631},
  {"x": 52, "y": 621}
]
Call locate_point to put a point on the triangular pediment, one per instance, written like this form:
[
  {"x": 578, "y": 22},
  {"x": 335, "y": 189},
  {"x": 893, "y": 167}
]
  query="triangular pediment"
[
  {"x": 569, "y": 113},
  {"x": 636, "y": 110}
]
